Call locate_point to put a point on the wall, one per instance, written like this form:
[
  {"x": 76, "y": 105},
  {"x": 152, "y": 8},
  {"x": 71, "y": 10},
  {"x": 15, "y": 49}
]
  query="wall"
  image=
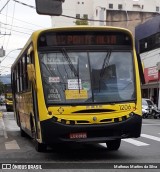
[
  {"x": 128, "y": 19},
  {"x": 99, "y": 9}
]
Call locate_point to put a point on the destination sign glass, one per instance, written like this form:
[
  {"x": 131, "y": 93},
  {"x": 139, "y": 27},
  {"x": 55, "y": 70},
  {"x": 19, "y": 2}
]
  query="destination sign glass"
[{"x": 83, "y": 38}]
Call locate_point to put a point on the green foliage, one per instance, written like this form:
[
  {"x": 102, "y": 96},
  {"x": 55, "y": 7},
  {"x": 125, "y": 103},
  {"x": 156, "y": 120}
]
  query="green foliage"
[
  {"x": 82, "y": 21},
  {"x": 1, "y": 87}
]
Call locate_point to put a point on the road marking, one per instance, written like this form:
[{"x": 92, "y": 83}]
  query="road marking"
[
  {"x": 131, "y": 141},
  {"x": 151, "y": 137},
  {"x": 12, "y": 145},
  {"x": 103, "y": 144},
  {"x": 151, "y": 124},
  {"x": 135, "y": 142},
  {"x": 3, "y": 128}
]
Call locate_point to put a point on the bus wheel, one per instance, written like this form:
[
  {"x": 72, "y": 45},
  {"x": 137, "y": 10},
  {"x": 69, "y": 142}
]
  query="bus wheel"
[
  {"x": 113, "y": 144},
  {"x": 40, "y": 147}
]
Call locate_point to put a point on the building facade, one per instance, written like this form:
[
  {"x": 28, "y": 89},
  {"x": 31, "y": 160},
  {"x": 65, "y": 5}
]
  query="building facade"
[
  {"x": 121, "y": 13},
  {"x": 147, "y": 36}
]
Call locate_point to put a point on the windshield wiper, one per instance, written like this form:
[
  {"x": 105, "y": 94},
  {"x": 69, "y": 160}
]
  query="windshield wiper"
[
  {"x": 76, "y": 72},
  {"x": 69, "y": 62},
  {"x": 105, "y": 63}
]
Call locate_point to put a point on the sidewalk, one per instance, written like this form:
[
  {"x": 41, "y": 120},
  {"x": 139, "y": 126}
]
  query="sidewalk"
[{"x": 1, "y": 124}]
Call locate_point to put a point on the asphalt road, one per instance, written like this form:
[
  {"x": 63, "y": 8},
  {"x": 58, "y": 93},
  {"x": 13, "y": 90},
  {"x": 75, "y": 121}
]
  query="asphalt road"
[{"x": 145, "y": 150}]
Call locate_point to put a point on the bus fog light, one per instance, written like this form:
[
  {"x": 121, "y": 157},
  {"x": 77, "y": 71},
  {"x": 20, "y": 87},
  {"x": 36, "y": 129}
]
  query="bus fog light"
[
  {"x": 72, "y": 122},
  {"x": 54, "y": 119},
  {"x": 131, "y": 114},
  {"x": 63, "y": 121},
  {"x": 50, "y": 113},
  {"x": 116, "y": 119},
  {"x": 124, "y": 118}
]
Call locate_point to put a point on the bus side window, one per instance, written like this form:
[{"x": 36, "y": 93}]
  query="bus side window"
[{"x": 29, "y": 60}]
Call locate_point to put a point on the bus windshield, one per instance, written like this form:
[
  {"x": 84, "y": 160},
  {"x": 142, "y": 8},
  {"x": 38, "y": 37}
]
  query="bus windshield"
[{"x": 86, "y": 76}]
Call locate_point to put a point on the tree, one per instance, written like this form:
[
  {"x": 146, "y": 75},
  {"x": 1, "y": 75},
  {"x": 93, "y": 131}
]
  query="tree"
[
  {"x": 1, "y": 87},
  {"x": 83, "y": 21}
]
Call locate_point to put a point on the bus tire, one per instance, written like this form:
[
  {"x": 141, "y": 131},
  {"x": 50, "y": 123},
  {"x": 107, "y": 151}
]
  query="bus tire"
[
  {"x": 40, "y": 147},
  {"x": 113, "y": 144}
]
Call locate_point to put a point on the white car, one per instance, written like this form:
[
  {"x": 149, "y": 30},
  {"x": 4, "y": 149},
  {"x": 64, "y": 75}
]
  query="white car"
[
  {"x": 149, "y": 108},
  {"x": 145, "y": 109}
]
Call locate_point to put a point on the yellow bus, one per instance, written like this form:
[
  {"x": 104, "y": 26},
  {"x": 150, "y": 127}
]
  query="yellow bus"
[
  {"x": 78, "y": 84},
  {"x": 8, "y": 97}
]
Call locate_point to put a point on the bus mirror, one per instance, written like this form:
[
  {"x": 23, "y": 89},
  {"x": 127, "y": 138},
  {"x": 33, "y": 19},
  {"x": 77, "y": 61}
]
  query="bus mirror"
[
  {"x": 31, "y": 72},
  {"x": 49, "y": 7},
  {"x": 30, "y": 50}
]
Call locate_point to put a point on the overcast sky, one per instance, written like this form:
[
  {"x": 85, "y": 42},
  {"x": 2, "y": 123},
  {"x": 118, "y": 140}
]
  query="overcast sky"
[{"x": 19, "y": 21}]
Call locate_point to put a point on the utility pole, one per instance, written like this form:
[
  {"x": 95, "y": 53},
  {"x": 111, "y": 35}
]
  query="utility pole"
[{"x": 2, "y": 51}]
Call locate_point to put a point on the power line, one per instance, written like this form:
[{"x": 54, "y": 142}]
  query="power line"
[
  {"x": 16, "y": 26},
  {"x": 22, "y": 21},
  {"x": 9, "y": 53},
  {"x": 11, "y": 26},
  {"x": 114, "y": 21},
  {"x": 24, "y": 4},
  {"x": 6, "y": 21},
  {"x": 4, "y": 6},
  {"x": 16, "y": 31},
  {"x": 5, "y": 67}
]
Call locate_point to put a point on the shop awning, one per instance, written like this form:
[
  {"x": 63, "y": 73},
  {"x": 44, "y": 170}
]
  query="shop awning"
[{"x": 151, "y": 85}]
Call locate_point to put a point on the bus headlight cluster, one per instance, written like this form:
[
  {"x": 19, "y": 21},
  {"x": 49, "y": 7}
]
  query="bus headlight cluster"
[{"x": 63, "y": 121}]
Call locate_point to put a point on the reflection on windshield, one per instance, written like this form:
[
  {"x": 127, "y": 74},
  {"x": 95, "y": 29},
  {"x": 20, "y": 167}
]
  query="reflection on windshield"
[{"x": 79, "y": 77}]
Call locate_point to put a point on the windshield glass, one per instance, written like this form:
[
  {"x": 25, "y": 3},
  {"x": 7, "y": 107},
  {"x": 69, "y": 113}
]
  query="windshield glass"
[{"x": 80, "y": 77}]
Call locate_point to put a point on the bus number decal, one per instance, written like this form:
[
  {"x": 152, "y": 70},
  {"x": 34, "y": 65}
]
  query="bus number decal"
[{"x": 125, "y": 107}]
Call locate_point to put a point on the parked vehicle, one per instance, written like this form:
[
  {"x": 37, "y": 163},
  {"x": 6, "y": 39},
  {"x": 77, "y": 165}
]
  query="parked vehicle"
[
  {"x": 145, "y": 109},
  {"x": 149, "y": 109},
  {"x": 1, "y": 101}
]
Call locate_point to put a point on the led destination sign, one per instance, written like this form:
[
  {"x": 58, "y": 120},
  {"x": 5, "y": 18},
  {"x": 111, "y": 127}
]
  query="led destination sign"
[
  {"x": 84, "y": 39},
  {"x": 96, "y": 38}
]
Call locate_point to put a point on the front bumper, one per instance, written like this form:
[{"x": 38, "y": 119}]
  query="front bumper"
[{"x": 53, "y": 132}]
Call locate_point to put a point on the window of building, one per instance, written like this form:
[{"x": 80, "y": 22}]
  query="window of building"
[
  {"x": 137, "y": 6},
  {"x": 157, "y": 9},
  {"x": 78, "y": 16},
  {"x": 96, "y": 12},
  {"x": 119, "y": 6},
  {"x": 150, "y": 43},
  {"x": 85, "y": 16},
  {"x": 110, "y": 6},
  {"x": 82, "y": 2},
  {"x": 78, "y": 2}
]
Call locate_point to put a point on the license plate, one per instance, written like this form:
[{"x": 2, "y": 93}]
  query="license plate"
[{"x": 78, "y": 135}]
